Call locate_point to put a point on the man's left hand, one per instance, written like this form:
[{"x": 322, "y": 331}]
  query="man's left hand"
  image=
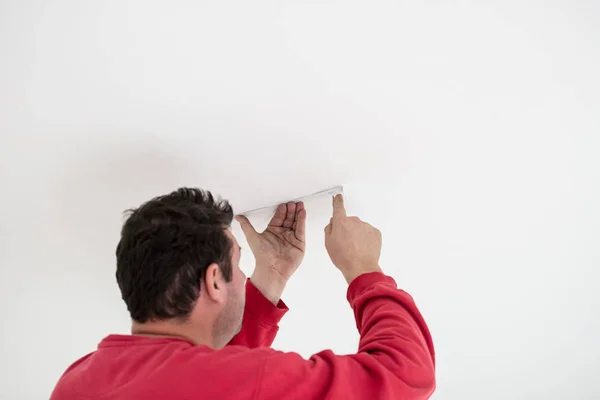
[{"x": 278, "y": 250}]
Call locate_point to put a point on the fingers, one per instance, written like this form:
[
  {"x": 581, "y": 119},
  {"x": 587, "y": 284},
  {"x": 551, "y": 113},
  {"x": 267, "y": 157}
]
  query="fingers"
[
  {"x": 299, "y": 207},
  {"x": 290, "y": 215},
  {"x": 339, "y": 210},
  {"x": 279, "y": 216},
  {"x": 299, "y": 226},
  {"x": 247, "y": 227}
]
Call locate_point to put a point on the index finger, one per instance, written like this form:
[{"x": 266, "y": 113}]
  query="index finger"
[{"x": 339, "y": 210}]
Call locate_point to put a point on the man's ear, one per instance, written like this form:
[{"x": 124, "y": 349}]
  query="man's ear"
[{"x": 214, "y": 283}]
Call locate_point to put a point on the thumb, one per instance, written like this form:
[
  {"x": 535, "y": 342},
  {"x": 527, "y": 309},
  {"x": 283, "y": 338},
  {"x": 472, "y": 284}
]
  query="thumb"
[
  {"x": 329, "y": 227},
  {"x": 246, "y": 226}
]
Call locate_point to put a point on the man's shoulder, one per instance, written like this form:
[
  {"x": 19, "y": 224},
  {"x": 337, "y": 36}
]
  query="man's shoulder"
[{"x": 162, "y": 368}]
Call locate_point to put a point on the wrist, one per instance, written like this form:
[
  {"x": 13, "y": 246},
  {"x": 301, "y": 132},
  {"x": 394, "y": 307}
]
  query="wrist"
[
  {"x": 269, "y": 283},
  {"x": 352, "y": 275}
]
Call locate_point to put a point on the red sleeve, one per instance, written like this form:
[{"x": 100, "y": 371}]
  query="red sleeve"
[
  {"x": 260, "y": 321},
  {"x": 395, "y": 358}
]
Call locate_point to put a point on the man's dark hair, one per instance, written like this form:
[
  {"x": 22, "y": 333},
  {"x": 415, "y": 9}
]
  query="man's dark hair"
[{"x": 165, "y": 248}]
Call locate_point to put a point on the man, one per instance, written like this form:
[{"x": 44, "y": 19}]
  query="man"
[{"x": 202, "y": 331}]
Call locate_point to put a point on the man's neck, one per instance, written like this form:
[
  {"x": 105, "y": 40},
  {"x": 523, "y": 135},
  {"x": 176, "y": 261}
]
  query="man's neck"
[{"x": 171, "y": 329}]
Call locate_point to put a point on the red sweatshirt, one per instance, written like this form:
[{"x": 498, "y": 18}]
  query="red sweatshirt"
[{"x": 395, "y": 358}]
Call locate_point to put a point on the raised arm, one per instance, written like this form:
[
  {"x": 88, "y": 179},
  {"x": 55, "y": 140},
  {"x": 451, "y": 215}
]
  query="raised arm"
[
  {"x": 261, "y": 319},
  {"x": 395, "y": 358},
  {"x": 278, "y": 252}
]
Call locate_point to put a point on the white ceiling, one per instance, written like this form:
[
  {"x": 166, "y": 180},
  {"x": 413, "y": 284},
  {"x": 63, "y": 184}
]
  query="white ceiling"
[{"x": 469, "y": 132}]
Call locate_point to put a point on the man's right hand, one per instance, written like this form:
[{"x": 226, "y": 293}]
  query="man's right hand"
[{"x": 354, "y": 246}]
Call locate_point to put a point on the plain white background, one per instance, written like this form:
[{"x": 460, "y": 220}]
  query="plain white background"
[{"x": 469, "y": 132}]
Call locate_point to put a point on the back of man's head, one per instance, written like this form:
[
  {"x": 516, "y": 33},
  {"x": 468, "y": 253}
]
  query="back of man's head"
[{"x": 166, "y": 245}]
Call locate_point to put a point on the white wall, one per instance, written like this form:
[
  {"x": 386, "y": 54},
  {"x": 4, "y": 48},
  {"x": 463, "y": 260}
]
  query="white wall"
[{"x": 469, "y": 133}]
